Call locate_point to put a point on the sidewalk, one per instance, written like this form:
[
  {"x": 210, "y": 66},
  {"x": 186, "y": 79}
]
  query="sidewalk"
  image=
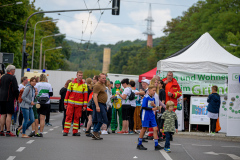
[{"x": 203, "y": 135}]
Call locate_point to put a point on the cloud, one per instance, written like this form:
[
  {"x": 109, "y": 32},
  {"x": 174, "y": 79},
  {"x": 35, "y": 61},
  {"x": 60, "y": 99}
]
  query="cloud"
[{"x": 105, "y": 32}]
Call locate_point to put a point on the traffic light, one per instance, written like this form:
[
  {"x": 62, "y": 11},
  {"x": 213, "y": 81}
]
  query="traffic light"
[
  {"x": 25, "y": 60},
  {"x": 116, "y": 3}
]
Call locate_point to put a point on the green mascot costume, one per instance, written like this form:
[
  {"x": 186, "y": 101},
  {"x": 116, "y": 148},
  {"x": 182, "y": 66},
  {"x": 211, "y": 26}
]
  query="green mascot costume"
[{"x": 117, "y": 108}]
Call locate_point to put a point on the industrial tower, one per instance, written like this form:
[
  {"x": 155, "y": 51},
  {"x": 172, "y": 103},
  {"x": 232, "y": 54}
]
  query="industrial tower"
[{"x": 149, "y": 31}]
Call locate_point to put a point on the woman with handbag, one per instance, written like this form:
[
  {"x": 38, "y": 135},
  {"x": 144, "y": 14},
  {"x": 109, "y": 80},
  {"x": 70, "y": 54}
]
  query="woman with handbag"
[
  {"x": 44, "y": 92},
  {"x": 27, "y": 105}
]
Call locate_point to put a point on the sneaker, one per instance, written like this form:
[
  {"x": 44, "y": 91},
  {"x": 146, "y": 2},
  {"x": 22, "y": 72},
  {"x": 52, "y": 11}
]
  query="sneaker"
[
  {"x": 37, "y": 135},
  {"x": 96, "y": 136},
  {"x": 76, "y": 134},
  {"x": 108, "y": 132},
  {"x": 210, "y": 134},
  {"x": 158, "y": 147},
  {"x": 31, "y": 134},
  {"x": 2, "y": 134},
  {"x": 113, "y": 131},
  {"x": 89, "y": 135},
  {"x": 126, "y": 132},
  {"x": 141, "y": 147},
  {"x": 213, "y": 134},
  {"x": 17, "y": 132},
  {"x": 40, "y": 135},
  {"x": 48, "y": 124},
  {"x": 121, "y": 132},
  {"x": 10, "y": 134},
  {"x": 65, "y": 134},
  {"x": 131, "y": 132},
  {"x": 168, "y": 150},
  {"x": 104, "y": 132}
]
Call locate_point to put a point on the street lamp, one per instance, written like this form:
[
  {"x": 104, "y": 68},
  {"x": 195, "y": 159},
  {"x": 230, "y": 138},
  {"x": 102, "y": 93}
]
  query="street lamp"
[
  {"x": 41, "y": 12},
  {"x": 40, "y": 60},
  {"x": 34, "y": 37},
  {"x": 60, "y": 47},
  {"x": 11, "y": 4}
]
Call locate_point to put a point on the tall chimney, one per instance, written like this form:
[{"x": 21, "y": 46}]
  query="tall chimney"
[{"x": 106, "y": 60}]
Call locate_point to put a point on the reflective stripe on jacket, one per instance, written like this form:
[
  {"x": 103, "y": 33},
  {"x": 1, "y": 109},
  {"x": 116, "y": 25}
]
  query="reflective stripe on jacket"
[{"x": 77, "y": 94}]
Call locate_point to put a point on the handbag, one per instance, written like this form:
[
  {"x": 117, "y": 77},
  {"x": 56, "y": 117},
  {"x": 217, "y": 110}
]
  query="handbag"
[{"x": 42, "y": 100}]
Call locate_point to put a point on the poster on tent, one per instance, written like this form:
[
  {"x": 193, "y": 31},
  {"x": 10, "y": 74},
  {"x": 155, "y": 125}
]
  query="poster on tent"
[
  {"x": 179, "y": 114},
  {"x": 199, "y": 83},
  {"x": 233, "y": 115},
  {"x": 198, "y": 111},
  {"x": 223, "y": 114}
]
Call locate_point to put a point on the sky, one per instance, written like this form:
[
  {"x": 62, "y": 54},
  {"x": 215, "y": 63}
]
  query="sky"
[{"x": 102, "y": 27}]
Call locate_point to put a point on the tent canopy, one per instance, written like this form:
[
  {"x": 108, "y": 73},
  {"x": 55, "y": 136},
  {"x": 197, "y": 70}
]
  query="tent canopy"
[
  {"x": 205, "y": 55},
  {"x": 148, "y": 75}
]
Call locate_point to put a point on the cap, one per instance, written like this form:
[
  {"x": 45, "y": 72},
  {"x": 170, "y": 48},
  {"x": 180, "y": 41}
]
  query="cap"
[
  {"x": 146, "y": 81},
  {"x": 111, "y": 82}
]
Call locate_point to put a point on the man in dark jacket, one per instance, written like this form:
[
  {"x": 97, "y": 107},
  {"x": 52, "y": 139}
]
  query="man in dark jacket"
[{"x": 8, "y": 93}]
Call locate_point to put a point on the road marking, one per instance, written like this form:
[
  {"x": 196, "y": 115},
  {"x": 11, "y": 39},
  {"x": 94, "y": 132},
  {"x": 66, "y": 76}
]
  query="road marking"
[
  {"x": 233, "y": 156},
  {"x": 165, "y": 155},
  {"x": 176, "y": 144},
  {"x": 56, "y": 127},
  {"x": 232, "y": 146},
  {"x": 20, "y": 149},
  {"x": 135, "y": 157},
  {"x": 51, "y": 129},
  {"x": 44, "y": 132},
  {"x": 11, "y": 157},
  {"x": 217, "y": 154},
  {"x": 29, "y": 142},
  {"x": 202, "y": 145}
]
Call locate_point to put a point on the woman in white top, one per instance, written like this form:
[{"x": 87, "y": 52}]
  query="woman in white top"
[{"x": 126, "y": 105}]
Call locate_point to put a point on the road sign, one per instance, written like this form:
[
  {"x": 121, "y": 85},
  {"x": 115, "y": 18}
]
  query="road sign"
[{"x": 8, "y": 57}]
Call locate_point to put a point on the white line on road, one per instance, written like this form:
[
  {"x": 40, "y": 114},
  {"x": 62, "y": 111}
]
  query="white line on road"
[
  {"x": 20, "y": 149},
  {"x": 44, "y": 132},
  {"x": 165, "y": 155},
  {"x": 200, "y": 145},
  {"x": 51, "y": 129},
  {"x": 11, "y": 157},
  {"x": 29, "y": 142},
  {"x": 232, "y": 146},
  {"x": 56, "y": 127},
  {"x": 176, "y": 144}
]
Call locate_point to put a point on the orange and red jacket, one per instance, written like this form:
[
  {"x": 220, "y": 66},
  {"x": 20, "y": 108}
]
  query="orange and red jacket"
[
  {"x": 77, "y": 94},
  {"x": 175, "y": 90}
]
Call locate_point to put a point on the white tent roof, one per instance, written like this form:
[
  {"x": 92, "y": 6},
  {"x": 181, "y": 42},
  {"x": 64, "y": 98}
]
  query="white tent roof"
[{"x": 205, "y": 55}]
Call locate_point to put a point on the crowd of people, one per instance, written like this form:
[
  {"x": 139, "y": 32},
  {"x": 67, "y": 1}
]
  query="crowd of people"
[
  {"x": 110, "y": 107},
  {"x": 31, "y": 100},
  {"x": 98, "y": 104}
]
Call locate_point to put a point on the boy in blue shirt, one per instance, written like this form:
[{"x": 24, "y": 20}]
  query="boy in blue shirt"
[{"x": 148, "y": 118}]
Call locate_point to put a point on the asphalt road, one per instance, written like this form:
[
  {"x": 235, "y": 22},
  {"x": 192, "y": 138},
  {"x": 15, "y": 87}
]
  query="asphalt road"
[{"x": 53, "y": 146}]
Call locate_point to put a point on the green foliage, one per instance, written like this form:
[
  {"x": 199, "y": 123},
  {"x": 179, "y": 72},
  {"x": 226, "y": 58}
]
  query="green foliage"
[
  {"x": 90, "y": 73},
  {"x": 13, "y": 19}
]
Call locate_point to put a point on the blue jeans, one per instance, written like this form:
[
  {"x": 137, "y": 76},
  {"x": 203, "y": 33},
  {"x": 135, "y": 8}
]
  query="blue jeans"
[
  {"x": 167, "y": 143},
  {"x": 28, "y": 118},
  {"x": 99, "y": 117}
]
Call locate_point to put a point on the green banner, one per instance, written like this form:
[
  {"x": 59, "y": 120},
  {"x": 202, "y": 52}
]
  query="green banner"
[{"x": 199, "y": 83}]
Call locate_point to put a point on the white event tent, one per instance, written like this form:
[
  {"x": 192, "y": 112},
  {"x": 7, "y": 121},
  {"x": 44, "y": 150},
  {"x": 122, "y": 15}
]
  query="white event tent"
[{"x": 204, "y": 55}]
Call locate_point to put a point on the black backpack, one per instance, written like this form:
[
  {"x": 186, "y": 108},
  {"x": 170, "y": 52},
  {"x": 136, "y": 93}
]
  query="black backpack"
[{"x": 131, "y": 96}]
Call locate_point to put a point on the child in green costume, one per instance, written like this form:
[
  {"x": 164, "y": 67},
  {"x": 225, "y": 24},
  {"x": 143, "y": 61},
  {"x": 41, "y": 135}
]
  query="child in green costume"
[{"x": 117, "y": 107}]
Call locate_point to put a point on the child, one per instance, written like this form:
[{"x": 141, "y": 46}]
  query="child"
[
  {"x": 148, "y": 118},
  {"x": 213, "y": 108},
  {"x": 169, "y": 119}
]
